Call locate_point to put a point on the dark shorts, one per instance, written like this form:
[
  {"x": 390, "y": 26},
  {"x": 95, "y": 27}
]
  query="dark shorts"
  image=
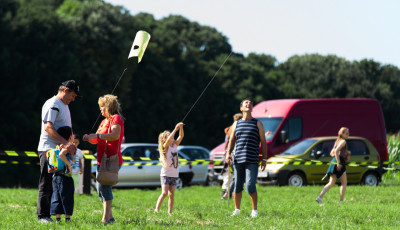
[
  {"x": 333, "y": 168},
  {"x": 168, "y": 180}
]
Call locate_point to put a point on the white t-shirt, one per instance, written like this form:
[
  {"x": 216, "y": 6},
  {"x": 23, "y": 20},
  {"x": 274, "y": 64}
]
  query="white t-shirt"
[
  {"x": 170, "y": 168},
  {"x": 75, "y": 166},
  {"x": 55, "y": 111}
]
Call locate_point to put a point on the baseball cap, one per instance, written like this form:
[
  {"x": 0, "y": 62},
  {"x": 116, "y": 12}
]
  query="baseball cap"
[{"x": 72, "y": 85}]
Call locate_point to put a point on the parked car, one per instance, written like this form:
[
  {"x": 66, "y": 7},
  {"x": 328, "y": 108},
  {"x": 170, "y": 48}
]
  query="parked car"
[
  {"x": 301, "y": 164},
  {"x": 288, "y": 121},
  {"x": 141, "y": 167},
  {"x": 199, "y": 168}
]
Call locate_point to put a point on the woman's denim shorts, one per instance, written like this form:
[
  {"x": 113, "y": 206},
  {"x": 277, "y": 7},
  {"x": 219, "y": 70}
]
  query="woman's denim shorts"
[
  {"x": 104, "y": 191},
  {"x": 248, "y": 172}
]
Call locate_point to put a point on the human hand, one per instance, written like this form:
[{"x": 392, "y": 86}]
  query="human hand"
[
  {"x": 179, "y": 125},
  {"x": 85, "y": 137},
  {"x": 69, "y": 169},
  {"x": 339, "y": 167},
  {"x": 80, "y": 171},
  {"x": 263, "y": 165},
  {"x": 228, "y": 159},
  {"x": 71, "y": 148}
]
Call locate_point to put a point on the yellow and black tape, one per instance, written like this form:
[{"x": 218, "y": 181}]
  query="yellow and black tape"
[
  {"x": 12, "y": 153},
  {"x": 141, "y": 161}
]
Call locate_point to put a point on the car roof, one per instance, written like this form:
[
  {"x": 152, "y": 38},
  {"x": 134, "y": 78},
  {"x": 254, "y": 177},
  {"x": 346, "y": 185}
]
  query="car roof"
[
  {"x": 124, "y": 145},
  {"x": 335, "y": 137},
  {"x": 191, "y": 147}
]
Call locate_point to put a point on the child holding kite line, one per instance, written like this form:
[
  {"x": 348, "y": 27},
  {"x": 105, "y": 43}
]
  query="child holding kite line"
[
  {"x": 168, "y": 148},
  {"x": 337, "y": 168}
]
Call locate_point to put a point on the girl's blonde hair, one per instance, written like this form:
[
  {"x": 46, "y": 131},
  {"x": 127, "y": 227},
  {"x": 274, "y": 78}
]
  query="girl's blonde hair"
[
  {"x": 161, "y": 137},
  {"x": 111, "y": 104}
]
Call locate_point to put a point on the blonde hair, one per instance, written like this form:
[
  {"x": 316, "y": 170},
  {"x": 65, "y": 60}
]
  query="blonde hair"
[
  {"x": 110, "y": 104},
  {"x": 163, "y": 156}
]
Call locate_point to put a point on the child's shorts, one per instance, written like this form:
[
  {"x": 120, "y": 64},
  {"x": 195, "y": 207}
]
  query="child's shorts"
[{"x": 168, "y": 180}]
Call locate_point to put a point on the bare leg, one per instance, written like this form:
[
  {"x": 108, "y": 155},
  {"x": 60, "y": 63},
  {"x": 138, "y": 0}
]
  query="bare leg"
[
  {"x": 109, "y": 209},
  {"x": 237, "y": 197},
  {"x": 161, "y": 198},
  {"x": 171, "y": 192},
  {"x": 332, "y": 181},
  {"x": 104, "y": 219},
  {"x": 343, "y": 180},
  {"x": 253, "y": 198}
]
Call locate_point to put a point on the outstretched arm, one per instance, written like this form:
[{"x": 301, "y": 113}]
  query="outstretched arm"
[{"x": 181, "y": 135}]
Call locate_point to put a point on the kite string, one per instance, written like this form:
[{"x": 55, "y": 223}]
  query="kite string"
[
  {"x": 111, "y": 93},
  {"x": 207, "y": 86}
]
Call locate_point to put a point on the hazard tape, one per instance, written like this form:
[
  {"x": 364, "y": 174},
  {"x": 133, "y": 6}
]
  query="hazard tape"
[{"x": 142, "y": 161}]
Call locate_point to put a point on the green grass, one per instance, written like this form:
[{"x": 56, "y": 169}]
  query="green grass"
[{"x": 200, "y": 207}]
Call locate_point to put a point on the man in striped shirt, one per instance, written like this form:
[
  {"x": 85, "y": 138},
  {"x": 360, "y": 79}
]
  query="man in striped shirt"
[{"x": 248, "y": 133}]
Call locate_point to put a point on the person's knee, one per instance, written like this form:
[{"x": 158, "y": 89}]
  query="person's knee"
[{"x": 251, "y": 187}]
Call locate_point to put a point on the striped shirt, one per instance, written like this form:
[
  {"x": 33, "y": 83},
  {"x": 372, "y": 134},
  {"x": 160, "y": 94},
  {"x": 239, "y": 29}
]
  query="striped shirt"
[{"x": 247, "y": 141}]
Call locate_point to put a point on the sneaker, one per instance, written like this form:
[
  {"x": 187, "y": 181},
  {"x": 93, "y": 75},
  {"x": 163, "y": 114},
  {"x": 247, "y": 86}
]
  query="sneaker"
[
  {"x": 111, "y": 221},
  {"x": 44, "y": 220},
  {"x": 254, "y": 213},
  {"x": 319, "y": 200},
  {"x": 236, "y": 212}
]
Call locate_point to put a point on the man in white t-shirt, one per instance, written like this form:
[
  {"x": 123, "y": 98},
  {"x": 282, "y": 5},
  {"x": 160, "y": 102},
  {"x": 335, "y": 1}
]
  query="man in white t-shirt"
[{"x": 55, "y": 114}]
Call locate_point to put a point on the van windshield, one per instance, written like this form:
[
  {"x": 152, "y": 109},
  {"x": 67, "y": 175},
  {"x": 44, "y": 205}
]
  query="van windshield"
[
  {"x": 299, "y": 148},
  {"x": 270, "y": 126}
]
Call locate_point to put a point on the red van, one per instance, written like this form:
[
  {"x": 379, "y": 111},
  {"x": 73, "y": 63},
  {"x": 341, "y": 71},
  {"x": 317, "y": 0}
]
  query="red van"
[{"x": 287, "y": 121}]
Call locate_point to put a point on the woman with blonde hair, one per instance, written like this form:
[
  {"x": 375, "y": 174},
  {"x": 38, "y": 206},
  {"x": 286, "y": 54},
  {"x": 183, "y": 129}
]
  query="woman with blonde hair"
[
  {"x": 108, "y": 138},
  {"x": 337, "y": 168},
  {"x": 168, "y": 148}
]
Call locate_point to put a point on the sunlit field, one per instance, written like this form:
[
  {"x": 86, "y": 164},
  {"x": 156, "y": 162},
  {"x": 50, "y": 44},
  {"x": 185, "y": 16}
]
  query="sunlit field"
[{"x": 201, "y": 207}]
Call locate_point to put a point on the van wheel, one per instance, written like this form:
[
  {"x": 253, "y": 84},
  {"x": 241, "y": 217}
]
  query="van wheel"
[
  {"x": 179, "y": 183},
  {"x": 297, "y": 179},
  {"x": 370, "y": 178}
]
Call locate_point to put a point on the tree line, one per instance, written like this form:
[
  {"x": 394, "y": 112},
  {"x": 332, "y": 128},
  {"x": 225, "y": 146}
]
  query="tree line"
[{"x": 45, "y": 42}]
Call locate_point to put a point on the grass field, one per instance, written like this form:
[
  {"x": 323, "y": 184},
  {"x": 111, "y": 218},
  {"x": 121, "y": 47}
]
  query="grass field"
[{"x": 201, "y": 207}]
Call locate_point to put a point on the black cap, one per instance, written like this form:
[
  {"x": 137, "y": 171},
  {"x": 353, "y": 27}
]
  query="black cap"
[{"x": 72, "y": 85}]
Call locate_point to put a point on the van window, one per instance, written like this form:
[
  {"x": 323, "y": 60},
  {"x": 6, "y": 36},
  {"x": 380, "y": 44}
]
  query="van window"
[
  {"x": 294, "y": 128},
  {"x": 357, "y": 147},
  {"x": 270, "y": 125}
]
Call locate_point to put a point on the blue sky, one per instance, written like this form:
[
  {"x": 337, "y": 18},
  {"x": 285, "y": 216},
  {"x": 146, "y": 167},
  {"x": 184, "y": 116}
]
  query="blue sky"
[{"x": 352, "y": 29}]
